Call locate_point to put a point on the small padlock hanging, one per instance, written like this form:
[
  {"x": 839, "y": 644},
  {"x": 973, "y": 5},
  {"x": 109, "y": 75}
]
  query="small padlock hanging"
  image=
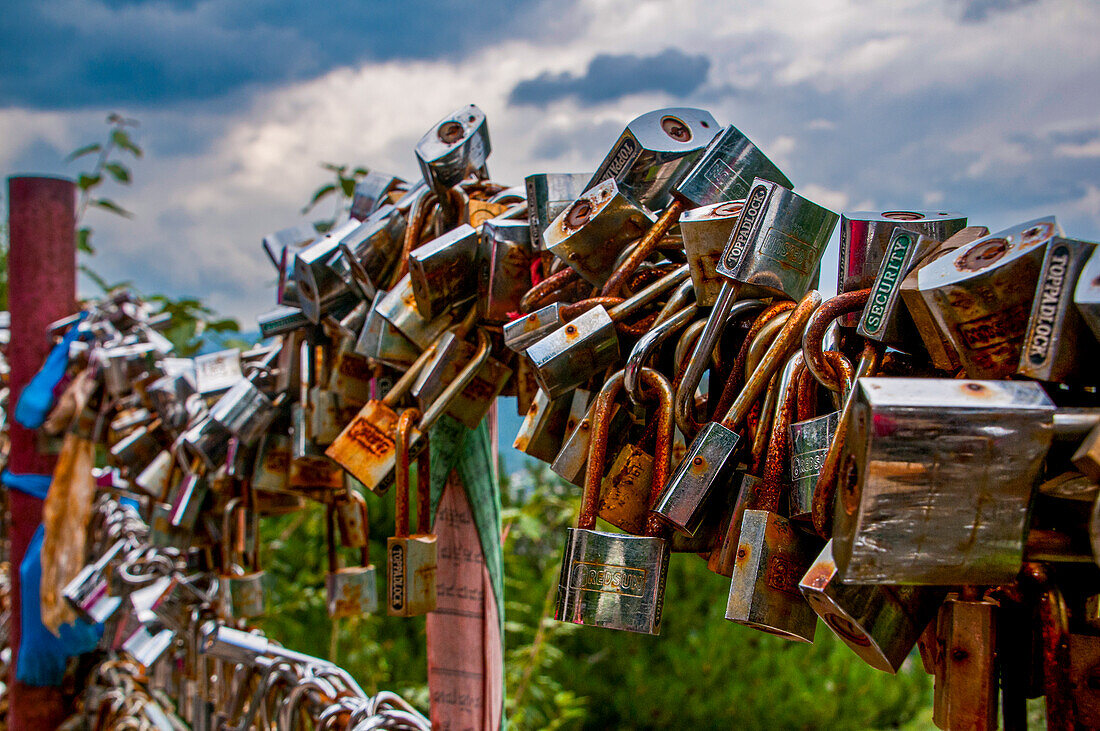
[
  {"x": 351, "y": 591},
  {"x": 411, "y": 560}
]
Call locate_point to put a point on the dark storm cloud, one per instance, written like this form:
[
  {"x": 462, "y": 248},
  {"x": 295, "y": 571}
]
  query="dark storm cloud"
[
  {"x": 65, "y": 54},
  {"x": 975, "y": 11},
  {"x": 609, "y": 77}
]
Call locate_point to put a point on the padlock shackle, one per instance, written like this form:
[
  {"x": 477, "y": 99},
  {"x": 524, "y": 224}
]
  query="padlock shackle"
[
  {"x": 762, "y": 341},
  {"x": 649, "y": 343},
  {"x": 405, "y": 423},
  {"x": 547, "y": 287},
  {"x": 812, "y": 348},
  {"x": 770, "y": 490},
  {"x": 597, "y": 451},
  {"x": 726, "y": 310},
  {"x": 740, "y": 371},
  {"x": 787, "y": 340},
  {"x": 645, "y": 247},
  {"x": 457, "y": 386},
  {"x": 408, "y": 378},
  {"x": 418, "y": 215},
  {"x": 658, "y": 384},
  {"x": 647, "y": 295}
]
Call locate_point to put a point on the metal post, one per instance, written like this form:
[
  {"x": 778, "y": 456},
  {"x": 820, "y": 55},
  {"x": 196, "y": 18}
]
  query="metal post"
[{"x": 41, "y": 289}]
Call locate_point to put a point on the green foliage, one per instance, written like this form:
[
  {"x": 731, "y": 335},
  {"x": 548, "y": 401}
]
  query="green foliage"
[{"x": 340, "y": 190}]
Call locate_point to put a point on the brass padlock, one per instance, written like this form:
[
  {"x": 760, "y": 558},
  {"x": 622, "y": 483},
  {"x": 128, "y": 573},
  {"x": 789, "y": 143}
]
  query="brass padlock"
[
  {"x": 350, "y": 591},
  {"x": 866, "y": 239},
  {"x": 548, "y": 194},
  {"x": 1057, "y": 344},
  {"x": 655, "y": 151},
  {"x": 242, "y": 588},
  {"x": 411, "y": 560},
  {"x": 977, "y": 446},
  {"x": 980, "y": 295},
  {"x": 881, "y": 624},
  {"x": 615, "y": 580}
]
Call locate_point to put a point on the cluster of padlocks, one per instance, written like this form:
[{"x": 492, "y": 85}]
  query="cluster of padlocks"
[{"x": 914, "y": 461}]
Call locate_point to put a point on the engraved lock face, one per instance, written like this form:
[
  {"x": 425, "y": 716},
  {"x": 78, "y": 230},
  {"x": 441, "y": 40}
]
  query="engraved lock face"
[
  {"x": 810, "y": 442},
  {"x": 709, "y": 461},
  {"x": 372, "y": 192},
  {"x": 655, "y": 151},
  {"x": 351, "y": 591},
  {"x": 523, "y": 332},
  {"x": 884, "y": 319},
  {"x": 217, "y": 372},
  {"x": 1057, "y": 343},
  {"x": 366, "y": 449},
  {"x": 272, "y": 469},
  {"x": 725, "y": 171},
  {"x": 380, "y": 340},
  {"x": 543, "y": 428},
  {"x": 880, "y": 624},
  {"x": 244, "y": 411},
  {"x": 443, "y": 271},
  {"x": 411, "y": 563},
  {"x": 504, "y": 270},
  {"x": 980, "y": 295},
  {"x": 771, "y": 558},
  {"x": 399, "y": 308},
  {"x": 454, "y": 148},
  {"x": 375, "y": 244},
  {"x": 612, "y": 580},
  {"x": 548, "y": 194},
  {"x": 977, "y": 446},
  {"x": 473, "y": 402},
  {"x": 320, "y": 286},
  {"x": 777, "y": 243},
  {"x": 567, "y": 357},
  {"x": 865, "y": 239},
  {"x": 706, "y": 231},
  {"x": 590, "y": 234},
  {"x": 1086, "y": 296}
]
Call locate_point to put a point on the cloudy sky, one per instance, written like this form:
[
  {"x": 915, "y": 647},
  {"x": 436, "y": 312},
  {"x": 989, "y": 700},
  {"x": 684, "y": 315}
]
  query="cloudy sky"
[{"x": 989, "y": 107}]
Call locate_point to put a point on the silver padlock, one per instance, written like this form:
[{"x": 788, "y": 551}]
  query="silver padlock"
[
  {"x": 726, "y": 171},
  {"x": 171, "y": 397},
  {"x": 281, "y": 320},
  {"x": 590, "y": 235},
  {"x": 976, "y": 446},
  {"x": 187, "y": 502},
  {"x": 865, "y": 238},
  {"x": 147, "y": 646},
  {"x": 706, "y": 231},
  {"x": 542, "y": 431},
  {"x": 655, "y": 151},
  {"x": 244, "y": 411},
  {"x": 454, "y": 149},
  {"x": 375, "y": 246},
  {"x": 217, "y": 372},
  {"x": 1086, "y": 296},
  {"x": 383, "y": 342},
  {"x": 271, "y": 472},
  {"x": 350, "y": 591},
  {"x": 881, "y": 624},
  {"x": 242, "y": 588},
  {"x": 320, "y": 286},
  {"x": 1057, "y": 344},
  {"x": 399, "y": 308},
  {"x": 884, "y": 319},
  {"x": 372, "y": 192},
  {"x": 504, "y": 269},
  {"x": 443, "y": 272},
  {"x": 471, "y": 404},
  {"x": 207, "y": 440},
  {"x": 548, "y": 194},
  {"x": 980, "y": 295},
  {"x": 526, "y": 330}
]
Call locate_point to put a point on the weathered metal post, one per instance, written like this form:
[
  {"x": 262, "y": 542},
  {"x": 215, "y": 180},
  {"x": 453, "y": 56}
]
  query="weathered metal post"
[{"x": 41, "y": 289}]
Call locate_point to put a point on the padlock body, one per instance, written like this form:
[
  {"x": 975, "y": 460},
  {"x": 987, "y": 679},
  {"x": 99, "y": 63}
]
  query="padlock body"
[
  {"x": 366, "y": 449},
  {"x": 570, "y": 355},
  {"x": 810, "y": 442},
  {"x": 548, "y": 194},
  {"x": 411, "y": 566},
  {"x": 244, "y": 594},
  {"x": 725, "y": 171},
  {"x": 709, "y": 461},
  {"x": 443, "y": 271},
  {"x": 625, "y": 490},
  {"x": 472, "y": 403},
  {"x": 612, "y": 580},
  {"x": 351, "y": 591},
  {"x": 771, "y": 558},
  {"x": 542, "y": 430},
  {"x": 706, "y": 231},
  {"x": 936, "y": 480},
  {"x": 504, "y": 271}
]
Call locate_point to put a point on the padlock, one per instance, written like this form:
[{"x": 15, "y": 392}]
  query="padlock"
[
  {"x": 542, "y": 431},
  {"x": 709, "y": 458},
  {"x": 1086, "y": 296},
  {"x": 443, "y": 272},
  {"x": 976, "y": 446},
  {"x": 590, "y": 235},
  {"x": 654, "y": 153},
  {"x": 187, "y": 500},
  {"x": 271, "y": 472},
  {"x": 504, "y": 270},
  {"x": 244, "y": 411},
  {"x": 881, "y": 624},
  {"x": 615, "y": 580},
  {"x": 350, "y": 590},
  {"x": 452, "y": 352},
  {"x": 147, "y": 646},
  {"x": 241, "y": 588},
  {"x": 453, "y": 149},
  {"x": 399, "y": 308},
  {"x": 966, "y": 685},
  {"x": 350, "y": 376},
  {"x": 89, "y": 587},
  {"x": 293, "y": 238},
  {"x": 865, "y": 240},
  {"x": 365, "y": 448},
  {"x": 374, "y": 246},
  {"x": 884, "y": 319},
  {"x": 706, "y": 231},
  {"x": 589, "y": 343},
  {"x": 171, "y": 398},
  {"x": 1057, "y": 343},
  {"x": 217, "y": 372},
  {"x": 548, "y": 194},
  {"x": 526, "y": 330},
  {"x": 123, "y": 364},
  {"x": 572, "y": 460},
  {"x": 311, "y": 473},
  {"x": 980, "y": 295},
  {"x": 381, "y": 341},
  {"x": 411, "y": 560},
  {"x": 372, "y": 192},
  {"x": 207, "y": 440},
  {"x": 320, "y": 286},
  {"x": 139, "y": 448}
]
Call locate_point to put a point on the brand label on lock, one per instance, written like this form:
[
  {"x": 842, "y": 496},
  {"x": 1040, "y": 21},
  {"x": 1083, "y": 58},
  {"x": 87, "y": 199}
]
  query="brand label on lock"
[
  {"x": 608, "y": 578},
  {"x": 397, "y": 577}
]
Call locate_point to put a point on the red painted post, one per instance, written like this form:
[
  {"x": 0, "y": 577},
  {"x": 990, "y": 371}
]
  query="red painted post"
[{"x": 41, "y": 289}]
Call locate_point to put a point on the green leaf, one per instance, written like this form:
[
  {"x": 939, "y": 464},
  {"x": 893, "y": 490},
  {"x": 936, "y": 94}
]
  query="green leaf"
[
  {"x": 122, "y": 140},
  {"x": 323, "y": 227},
  {"x": 83, "y": 240},
  {"x": 227, "y": 324},
  {"x": 109, "y": 205},
  {"x": 339, "y": 169},
  {"x": 86, "y": 182},
  {"x": 101, "y": 282},
  {"x": 348, "y": 186},
  {"x": 361, "y": 172},
  {"x": 319, "y": 195},
  {"x": 119, "y": 172},
  {"x": 82, "y": 151}
]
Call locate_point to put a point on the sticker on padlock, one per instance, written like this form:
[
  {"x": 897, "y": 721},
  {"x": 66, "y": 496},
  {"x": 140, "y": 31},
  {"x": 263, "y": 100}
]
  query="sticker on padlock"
[
  {"x": 411, "y": 560},
  {"x": 615, "y": 580},
  {"x": 350, "y": 591}
]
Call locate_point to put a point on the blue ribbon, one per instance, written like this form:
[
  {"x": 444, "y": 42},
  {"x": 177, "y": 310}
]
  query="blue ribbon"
[
  {"x": 33, "y": 485},
  {"x": 37, "y": 398}
]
